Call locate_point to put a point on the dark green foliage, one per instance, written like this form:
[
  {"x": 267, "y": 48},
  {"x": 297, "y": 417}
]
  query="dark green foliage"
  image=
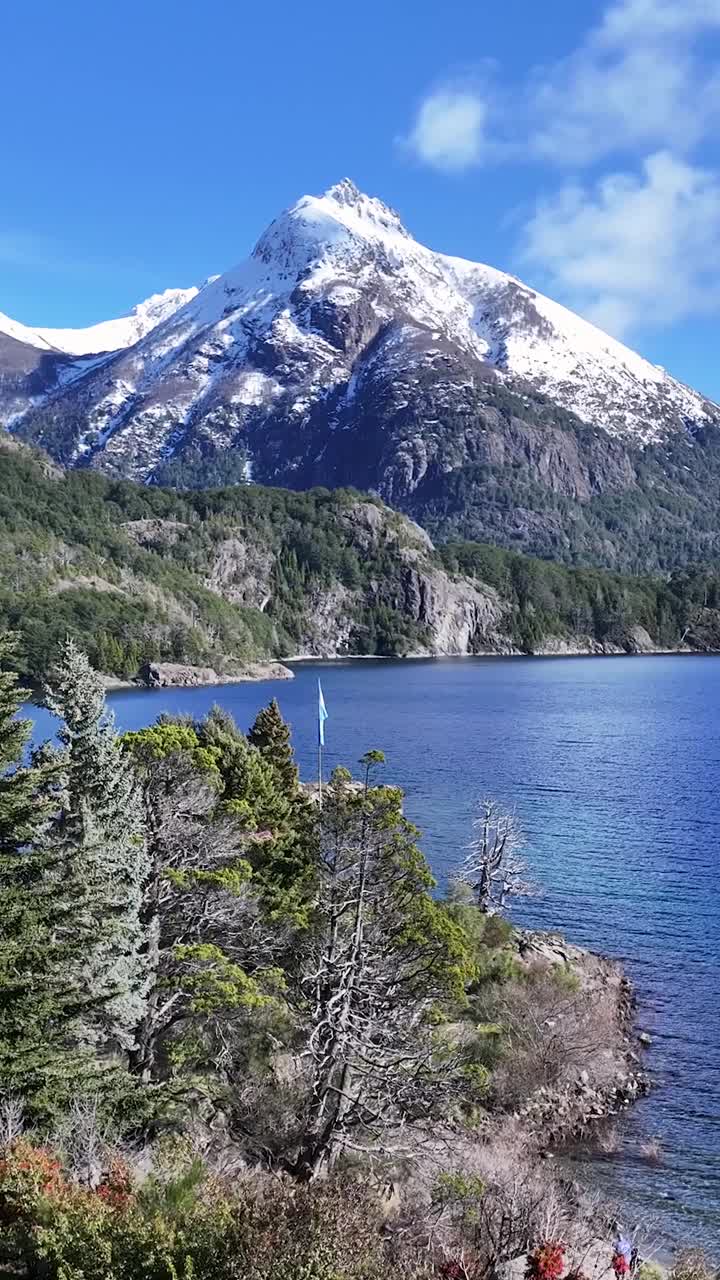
[
  {"x": 20, "y": 816},
  {"x": 75, "y": 568},
  {"x": 271, "y": 736},
  {"x": 549, "y": 599},
  {"x": 40, "y": 1000},
  {"x": 285, "y": 868},
  {"x": 384, "y": 631},
  {"x": 124, "y": 570}
]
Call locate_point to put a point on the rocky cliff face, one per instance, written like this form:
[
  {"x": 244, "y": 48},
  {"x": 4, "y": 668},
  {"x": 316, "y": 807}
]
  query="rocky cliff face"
[{"x": 451, "y": 615}]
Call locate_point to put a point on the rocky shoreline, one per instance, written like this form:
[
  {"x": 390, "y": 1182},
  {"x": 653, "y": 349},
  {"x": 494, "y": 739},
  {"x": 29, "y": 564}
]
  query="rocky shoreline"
[
  {"x": 177, "y": 675},
  {"x": 563, "y": 649},
  {"x": 614, "y": 1076},
  {"x": 169, "y": 675}
]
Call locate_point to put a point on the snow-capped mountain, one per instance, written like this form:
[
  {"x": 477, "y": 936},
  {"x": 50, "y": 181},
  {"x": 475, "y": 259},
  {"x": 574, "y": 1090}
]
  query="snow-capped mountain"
[
  {"x": 108, "y": 335},
  {"x": 22, "y": 333},
  {"x": 343, "y": 351}
]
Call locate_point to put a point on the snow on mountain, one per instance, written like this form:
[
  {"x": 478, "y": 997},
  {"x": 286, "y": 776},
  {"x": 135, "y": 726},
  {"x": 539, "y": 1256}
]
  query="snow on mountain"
[
  {"x": 22, "y": 333},
  {"x": 112, "y": 335},
  {"x": 337, "y": 308}
]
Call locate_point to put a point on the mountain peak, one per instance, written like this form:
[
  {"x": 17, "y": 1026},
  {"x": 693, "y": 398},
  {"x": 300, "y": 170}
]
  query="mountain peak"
[
  {"x": 340, "y": 219},
  {"x": 345, "y": 192},
  {"x": 361, "y": 212},
  {"x": 339, "y": 303}
]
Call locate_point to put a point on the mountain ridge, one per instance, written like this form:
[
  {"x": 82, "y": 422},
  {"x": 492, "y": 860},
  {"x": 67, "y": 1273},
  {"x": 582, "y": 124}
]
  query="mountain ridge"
[
  {"x": 105, "y": 336},
  {"x": 492, "y": 314},
  {"x": 343, "y": 352}
]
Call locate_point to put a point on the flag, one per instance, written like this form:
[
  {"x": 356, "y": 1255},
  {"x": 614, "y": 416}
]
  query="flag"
[{"x": 322, "y": 716}]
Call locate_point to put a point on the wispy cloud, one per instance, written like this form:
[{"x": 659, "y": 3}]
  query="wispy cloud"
[
  {"x": 449, "y": 130},
  {"x": 648, "y": 19},
  {"x": 630, "y": 237},
  {"x": 633, "y": 250},
  {"x": 638, "y": 81}
]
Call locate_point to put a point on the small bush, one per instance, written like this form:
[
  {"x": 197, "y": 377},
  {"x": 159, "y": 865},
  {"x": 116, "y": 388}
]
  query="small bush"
[
  {"x": 693, "y": 1264},
  {"x": 191, "y": 1226}
]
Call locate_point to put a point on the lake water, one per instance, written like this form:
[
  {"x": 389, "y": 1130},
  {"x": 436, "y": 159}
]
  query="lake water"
[{"x": 613, "y": 767}]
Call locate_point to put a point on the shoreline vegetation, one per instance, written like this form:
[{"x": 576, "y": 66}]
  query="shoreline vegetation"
[
  {"x": 220, "y": 579},
  {"x": 242, "y": 1037}
]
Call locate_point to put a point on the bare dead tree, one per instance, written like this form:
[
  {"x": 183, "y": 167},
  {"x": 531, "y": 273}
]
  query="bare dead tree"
[
  {"x": 198, "y": 895},
  {"x": 12, "y": 1120},
  {"x": 382, "y": 955},
  {"x": 494, "y": 867},
  {"x": 84, "y": 1136}
]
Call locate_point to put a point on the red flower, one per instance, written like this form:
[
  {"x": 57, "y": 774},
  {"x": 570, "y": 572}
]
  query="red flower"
[
  {"x": 453, "y": 1271},
  {"x": 546, "y": 1262},
  {"x": 116, "y": 1188}
]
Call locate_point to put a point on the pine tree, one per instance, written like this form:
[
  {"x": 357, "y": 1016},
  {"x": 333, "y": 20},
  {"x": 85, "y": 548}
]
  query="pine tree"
[
  {"x": 251, "y": 789},
  {"x": 99, "y": 836},
  {"x": 39, "y": 1001},
  {"x": 260, "y": 786},
  {"x": 271, "y": 735}
]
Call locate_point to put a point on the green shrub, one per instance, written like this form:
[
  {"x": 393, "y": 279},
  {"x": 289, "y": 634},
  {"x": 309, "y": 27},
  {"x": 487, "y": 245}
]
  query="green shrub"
[{"x": 189, "y": 1225}]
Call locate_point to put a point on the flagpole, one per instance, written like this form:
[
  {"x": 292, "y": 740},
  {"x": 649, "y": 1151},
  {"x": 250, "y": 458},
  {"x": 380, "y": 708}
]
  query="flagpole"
[{"x": 322, "y": 717}]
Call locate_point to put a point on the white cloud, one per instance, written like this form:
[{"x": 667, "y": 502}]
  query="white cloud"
[
  {"x": 648, "y": 19},
  {"x": 643, "y": 78},
  {"x": 637, "y": 81},
  {"x": 449, "y": 131},
  {"x": 638, "y": 247},
  {"x": 633, "y": 251}
]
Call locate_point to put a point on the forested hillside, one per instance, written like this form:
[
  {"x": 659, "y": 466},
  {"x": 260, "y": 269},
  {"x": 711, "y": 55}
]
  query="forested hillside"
[
  {"x": 233, "y": 1018},
  {"x": 138, "y": 573}
]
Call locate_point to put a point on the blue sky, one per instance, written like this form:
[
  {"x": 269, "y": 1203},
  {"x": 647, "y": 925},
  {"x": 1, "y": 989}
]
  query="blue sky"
[{"x": 573, "y": 143}]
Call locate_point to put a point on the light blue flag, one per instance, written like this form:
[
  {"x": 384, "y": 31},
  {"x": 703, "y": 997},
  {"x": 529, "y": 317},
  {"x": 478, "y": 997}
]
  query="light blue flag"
[{"x": 322, "y": 716}]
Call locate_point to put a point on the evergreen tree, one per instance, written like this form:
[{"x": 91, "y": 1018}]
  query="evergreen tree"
[
  {"x": 271, "y": 735},
  {"x": 39, "y": 1000},
  {"x": 20, "y": 817},
  {"x": 251, "y": 788},
  {"x": 261, "y": 775},
  {"x": 376, "y": 964},
  {"x": 99, "y": 836},
  {"x": 277, "y": 828}
]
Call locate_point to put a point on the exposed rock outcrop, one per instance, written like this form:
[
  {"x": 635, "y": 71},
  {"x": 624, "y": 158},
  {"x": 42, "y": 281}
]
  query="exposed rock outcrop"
[
  {"x": 613, "y": 1076},
  {"x": 163, "y": 675}
]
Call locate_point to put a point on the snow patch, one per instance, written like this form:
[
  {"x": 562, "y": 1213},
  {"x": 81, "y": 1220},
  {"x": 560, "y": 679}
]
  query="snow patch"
[{"x": 112, "y": 335}]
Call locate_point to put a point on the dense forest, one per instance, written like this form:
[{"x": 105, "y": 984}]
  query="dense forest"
[
  {"x": 572, "y": 493},
  {"x": 137, "y": 573},
  {"x": 242, "y": 1036}
]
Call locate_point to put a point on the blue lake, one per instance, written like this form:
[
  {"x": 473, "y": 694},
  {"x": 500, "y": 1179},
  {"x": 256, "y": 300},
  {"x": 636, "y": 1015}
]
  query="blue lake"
[{"x": 613, "y": 767}]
